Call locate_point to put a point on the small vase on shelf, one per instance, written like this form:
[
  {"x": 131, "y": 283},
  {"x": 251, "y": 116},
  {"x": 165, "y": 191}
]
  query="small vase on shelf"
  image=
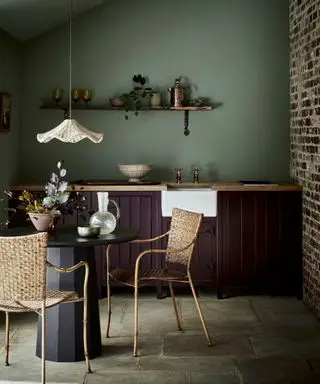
[{"x": 103, "y": 218}]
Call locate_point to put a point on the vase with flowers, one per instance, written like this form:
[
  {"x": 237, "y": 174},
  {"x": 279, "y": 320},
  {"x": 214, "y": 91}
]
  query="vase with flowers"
[{"x": 44, "y": 211}]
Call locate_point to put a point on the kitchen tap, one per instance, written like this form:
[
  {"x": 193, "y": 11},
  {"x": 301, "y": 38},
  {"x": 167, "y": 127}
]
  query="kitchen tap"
[
  {"x": 178, "y": 175},
  {"x": 196, "y": 174}
]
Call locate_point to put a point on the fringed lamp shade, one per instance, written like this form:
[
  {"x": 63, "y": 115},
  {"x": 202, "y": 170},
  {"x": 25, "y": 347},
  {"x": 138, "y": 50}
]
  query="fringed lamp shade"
[{"x": 70, "y": 131}]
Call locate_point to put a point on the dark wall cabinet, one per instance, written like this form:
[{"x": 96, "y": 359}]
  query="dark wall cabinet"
[{"x": 253, "y": 245}]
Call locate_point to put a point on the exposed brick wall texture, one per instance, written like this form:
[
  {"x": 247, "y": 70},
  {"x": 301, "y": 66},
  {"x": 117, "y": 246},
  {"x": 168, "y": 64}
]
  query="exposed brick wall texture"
[{"x": 305, "y": 133}]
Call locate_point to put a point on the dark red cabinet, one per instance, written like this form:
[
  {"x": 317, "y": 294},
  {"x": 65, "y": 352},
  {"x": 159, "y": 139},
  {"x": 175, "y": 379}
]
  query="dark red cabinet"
[{"x": 259, "y": 242}]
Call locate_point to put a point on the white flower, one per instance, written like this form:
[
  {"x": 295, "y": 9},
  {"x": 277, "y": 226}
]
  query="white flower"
[
  {"x": 63, "y": 172},
  {"x": 54, "y": 178},
  {"x": 59, "y": 164},
  {"x": 61, "y": 199},
  {"x": 48, "y": 201},
  {"x": 9, "y": 193},
  {"x": 63, "y": 185},
  {"x": 51, "y": 189}
]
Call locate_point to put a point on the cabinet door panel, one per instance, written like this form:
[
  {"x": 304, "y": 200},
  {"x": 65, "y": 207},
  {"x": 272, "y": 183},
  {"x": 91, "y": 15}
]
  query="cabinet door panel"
[{"x": 258, "y": 239}]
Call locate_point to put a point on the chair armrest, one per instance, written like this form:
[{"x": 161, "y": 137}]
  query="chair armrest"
[
  {"x": 139, "y": 241},
  {"x": 72, "y": 269},
  {"x": 68, "y": 270},
  {"x": 136, "y": 270}
]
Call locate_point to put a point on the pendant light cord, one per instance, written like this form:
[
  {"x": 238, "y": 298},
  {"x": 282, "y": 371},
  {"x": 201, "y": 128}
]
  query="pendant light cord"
[{"x": 70, "y": 58}]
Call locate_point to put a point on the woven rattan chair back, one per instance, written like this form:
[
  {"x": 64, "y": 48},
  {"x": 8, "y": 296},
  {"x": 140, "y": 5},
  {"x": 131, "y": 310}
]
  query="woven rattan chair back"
[
  {"x": 23, "y": 267},
  {"x": 184, "y": 229}
]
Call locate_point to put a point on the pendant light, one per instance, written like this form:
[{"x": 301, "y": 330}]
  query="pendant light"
[{"x": 70, "y": 131}]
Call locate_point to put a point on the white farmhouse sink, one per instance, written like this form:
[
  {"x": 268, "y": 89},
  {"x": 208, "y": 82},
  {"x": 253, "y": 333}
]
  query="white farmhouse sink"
[{"x": 202, "y": 200}]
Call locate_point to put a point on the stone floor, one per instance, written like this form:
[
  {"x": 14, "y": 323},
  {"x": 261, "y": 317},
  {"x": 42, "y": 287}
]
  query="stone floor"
[{"x": 257, "y": 340}]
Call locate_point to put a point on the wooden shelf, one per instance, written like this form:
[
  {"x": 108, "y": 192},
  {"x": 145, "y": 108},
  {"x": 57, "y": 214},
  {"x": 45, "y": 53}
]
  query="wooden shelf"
[
  {"x": 92, "y": 107},
  {"x": 82, "y": 107}
]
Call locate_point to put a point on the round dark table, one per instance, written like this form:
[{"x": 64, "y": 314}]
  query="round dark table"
[{"x": 64, "y": 331}]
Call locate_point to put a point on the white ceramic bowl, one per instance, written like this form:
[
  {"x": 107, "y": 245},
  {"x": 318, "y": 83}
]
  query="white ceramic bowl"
[
  {"x": 88, "y": 231},
  {"x": 135, "y": 172}
]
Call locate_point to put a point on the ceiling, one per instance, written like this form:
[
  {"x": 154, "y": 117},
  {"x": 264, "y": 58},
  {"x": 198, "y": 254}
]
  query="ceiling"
[{"x": 25, "y": 19}]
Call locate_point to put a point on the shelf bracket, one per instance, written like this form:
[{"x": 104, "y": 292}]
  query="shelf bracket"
[{"x": 186, "y": 123}]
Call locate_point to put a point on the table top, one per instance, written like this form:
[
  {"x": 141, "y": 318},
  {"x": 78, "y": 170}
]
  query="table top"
[{"x": 68, "y": 237}]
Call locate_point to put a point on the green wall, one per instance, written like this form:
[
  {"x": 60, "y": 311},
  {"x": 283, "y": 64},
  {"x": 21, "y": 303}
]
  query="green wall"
[
  {"x": 235, "y": 51},
  {"x": 10, "y": 81}
]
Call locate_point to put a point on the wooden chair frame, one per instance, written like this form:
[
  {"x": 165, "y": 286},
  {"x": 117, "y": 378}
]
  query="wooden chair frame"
[
  {"x": 42, "y": 312},
  {"x": 170, "y": 281}
]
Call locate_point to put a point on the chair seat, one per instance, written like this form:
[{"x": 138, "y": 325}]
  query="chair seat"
[
  {"x": 126, "y": 276},
  {"x": 52, "y": 298}
]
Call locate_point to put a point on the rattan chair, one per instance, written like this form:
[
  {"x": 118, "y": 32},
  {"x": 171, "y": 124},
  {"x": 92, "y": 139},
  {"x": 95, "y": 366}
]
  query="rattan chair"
[
  {"x": 23, "y": 267},
  {"x": 182, "y": 236}
]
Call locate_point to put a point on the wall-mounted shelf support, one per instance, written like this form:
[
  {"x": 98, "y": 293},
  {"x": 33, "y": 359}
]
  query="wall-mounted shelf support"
[
  {"x": 82, "y": 107},
  {"x": 186, "y": 123}
]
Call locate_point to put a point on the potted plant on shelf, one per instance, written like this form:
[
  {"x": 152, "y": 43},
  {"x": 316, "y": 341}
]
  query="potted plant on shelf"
[
  {"x": 44, "y": 211},
  {"x": 134, "y": 99}
]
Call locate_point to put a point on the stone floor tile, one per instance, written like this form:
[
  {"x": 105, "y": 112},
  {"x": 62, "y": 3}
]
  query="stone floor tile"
[
  {"x": 123, "y": 346},
  {"x": 274, "y": 370},
  {"x": 279, "y": 304},
  {"x": 148, "y": 377},
  {"x": 116, "y": 363},
  {"x": 295, "y": 345},
  {"x": 154, "y": 306},
  {"x": 222, "y": 311},
  {"x": 30, "y": 370},
  {"x": 24, "y": 335},
  {"x": 275, "y": 319},
  {"x": 218, "y": 365},
  {"x": 196, "y": 346},
  {"x": 286, "y": 312},
  {"x": 232, "y": 328},
  {"x": 155, "y": 317},
  {"x": 204, "y": 378}
]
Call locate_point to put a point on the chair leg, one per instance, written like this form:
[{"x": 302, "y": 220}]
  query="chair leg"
[
  {"x": 85, "y": 334},
  {"x": 108, "y": 290},
  {"x": 43, "y": 343},
  {"x": 175, "y": 306},
  {"x": 135, "y": 347},
  {"x": 109, "y": 307},
  {"x": 200, "y": 313},
  {"x": 7, "y": 339}
]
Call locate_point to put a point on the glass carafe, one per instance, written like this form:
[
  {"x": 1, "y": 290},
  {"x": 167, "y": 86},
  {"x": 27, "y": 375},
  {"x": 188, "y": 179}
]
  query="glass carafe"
[{"x": 103, "y": 218}]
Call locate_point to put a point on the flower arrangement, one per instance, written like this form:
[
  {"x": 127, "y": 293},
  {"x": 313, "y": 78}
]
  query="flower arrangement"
[{"x": 56, "y": 194}]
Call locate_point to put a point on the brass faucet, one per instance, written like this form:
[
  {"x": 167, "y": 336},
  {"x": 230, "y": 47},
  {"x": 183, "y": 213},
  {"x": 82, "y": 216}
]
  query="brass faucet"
[
  {"x": 196, "y": 174},
  {"x": 178, "y": 175}
]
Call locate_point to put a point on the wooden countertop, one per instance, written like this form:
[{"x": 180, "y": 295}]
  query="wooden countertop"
[{"x": 164, "y": 186}]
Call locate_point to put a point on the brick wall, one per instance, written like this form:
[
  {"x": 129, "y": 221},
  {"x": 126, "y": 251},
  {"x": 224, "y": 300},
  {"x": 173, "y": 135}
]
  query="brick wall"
[{"x": 305, "y": 133}]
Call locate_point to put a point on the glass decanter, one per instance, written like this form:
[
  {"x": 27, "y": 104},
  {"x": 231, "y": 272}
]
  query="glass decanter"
[{"x": 103, "y": 218}]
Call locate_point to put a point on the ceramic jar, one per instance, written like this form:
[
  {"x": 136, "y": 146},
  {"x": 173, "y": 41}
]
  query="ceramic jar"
[{"x": 155, "y": 100}]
